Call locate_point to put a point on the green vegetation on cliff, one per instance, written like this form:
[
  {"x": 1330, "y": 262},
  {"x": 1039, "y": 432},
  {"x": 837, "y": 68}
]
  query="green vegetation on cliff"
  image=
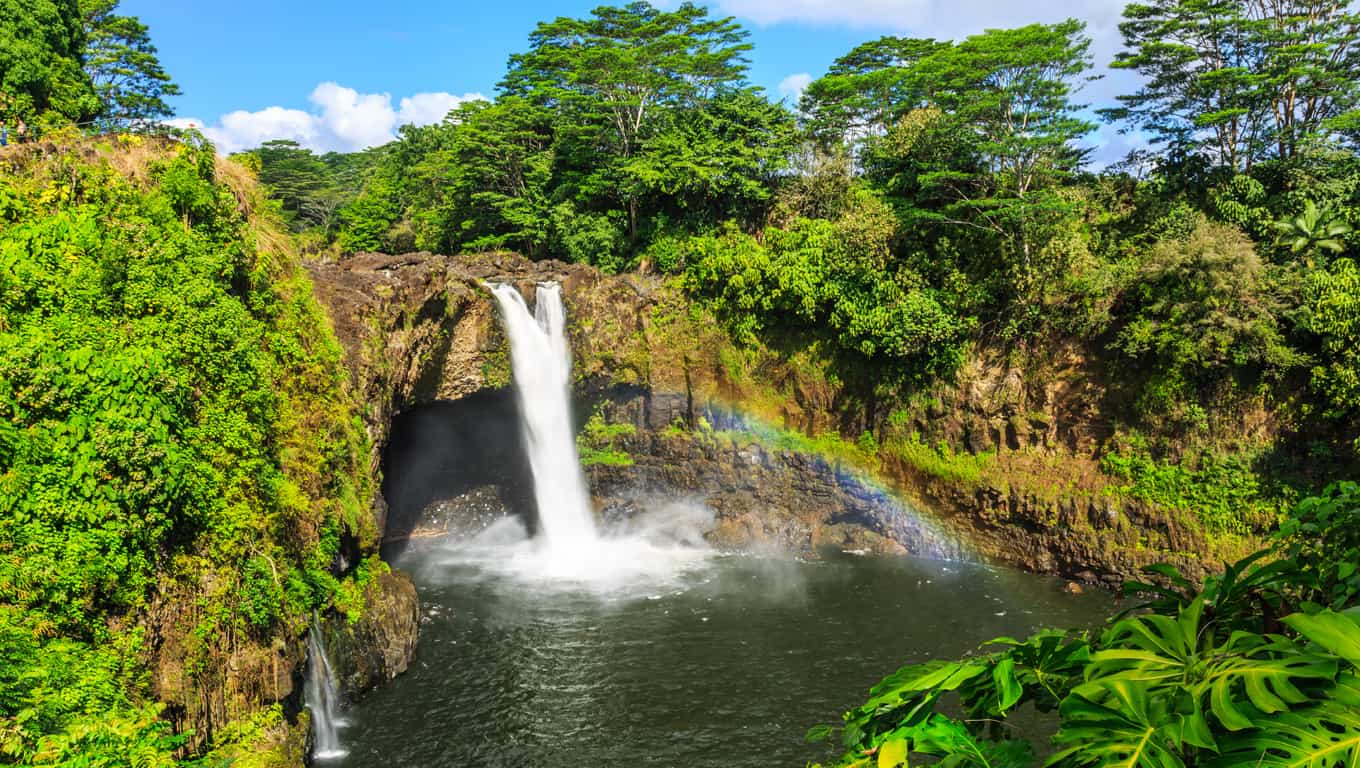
[{"x": 179, "y": 458}]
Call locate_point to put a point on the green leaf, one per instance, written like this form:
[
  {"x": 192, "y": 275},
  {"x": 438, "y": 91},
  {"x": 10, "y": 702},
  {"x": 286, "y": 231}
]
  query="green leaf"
[
  {"x": 1135, "y": 731},
  {"x": 1326, "y": 735},
  {"x": 893, "y": 753},
  {"x": 1337, "y": 632},
  {"x": 1008, "y": 686}
]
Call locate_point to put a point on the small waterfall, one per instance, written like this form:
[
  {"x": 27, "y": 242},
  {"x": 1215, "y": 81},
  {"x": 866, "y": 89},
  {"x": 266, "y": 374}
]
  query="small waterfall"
[
  {"x": 540, "y": 359},
  {"x": 322, "y": 697}
]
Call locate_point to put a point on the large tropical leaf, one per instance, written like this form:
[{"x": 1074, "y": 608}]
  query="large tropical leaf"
[
  {"x": 1326, "y": 735},
  {"x": 1263, "y": 670},
  {"x": 1041, "y": 669},
  {"x": 1339, "y": 633},
  {"x": 906, "y": 697},
  {"x": 1130, "y": 730},
  {"x": 1249, "y": 673}
]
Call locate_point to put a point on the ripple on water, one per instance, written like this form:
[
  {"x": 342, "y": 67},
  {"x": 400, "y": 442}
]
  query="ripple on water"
[{"x": 695, "y": 660}]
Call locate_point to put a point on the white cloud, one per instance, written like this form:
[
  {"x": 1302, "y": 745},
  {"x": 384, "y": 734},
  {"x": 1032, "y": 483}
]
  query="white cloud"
[
  {"x": 342, "y": 120},
  {"x": 355, "y": 120},
  {"x": 427, "y": 108},
  {"x": 792, "y": 87}
]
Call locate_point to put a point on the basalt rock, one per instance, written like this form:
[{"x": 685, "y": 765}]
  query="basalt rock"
[
  {"x": 420, "y": 329},
  {"x": 205, "y": 686},
  {"x": 1086, "y": 537},
  {"x": 380, "y": 644},
  {"x": 763, "y": 498}
]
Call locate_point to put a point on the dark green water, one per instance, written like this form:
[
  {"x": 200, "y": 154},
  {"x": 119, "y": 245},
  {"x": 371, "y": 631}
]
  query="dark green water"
[{"x": 726, "y": 664}]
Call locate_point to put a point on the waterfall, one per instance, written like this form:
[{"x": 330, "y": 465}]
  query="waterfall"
[
  {"x": 322, "y": 697},
  {"x": 540, "y": 359}
]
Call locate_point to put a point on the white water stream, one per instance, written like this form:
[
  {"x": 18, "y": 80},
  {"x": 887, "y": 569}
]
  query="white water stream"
[
  {"x": 322, "y": 696},
  {"x": 569, "y": 550},
  {"x": 541, "y": 359}
]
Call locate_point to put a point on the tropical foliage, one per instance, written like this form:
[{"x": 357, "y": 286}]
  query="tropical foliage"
[
  {"x": 1250, "y": 669},
  {"x": 76, "y": 61},
  {"x": 173, "y": 415}
]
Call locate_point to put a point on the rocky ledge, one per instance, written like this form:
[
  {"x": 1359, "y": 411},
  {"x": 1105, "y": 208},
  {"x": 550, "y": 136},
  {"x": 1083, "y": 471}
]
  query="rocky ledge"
[{"x": 381, "y": 643}]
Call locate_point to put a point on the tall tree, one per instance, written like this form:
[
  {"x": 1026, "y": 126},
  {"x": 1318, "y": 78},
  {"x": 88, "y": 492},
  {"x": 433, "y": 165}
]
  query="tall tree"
[
  {"x": 292, "y": 174},
  {"x": 611, "y": 77},
  {"x": 1008, "y": 92},
  {"x": 1012, "y": 89},
  {"x": 122, "y": 64},
  {"x": 488, "y": 185},
  {"x": 1241, "y": 80},
  {"x": 42, "y": 44},
  {"x": 866, "y": 90},
  {"x": 718, "y": 161}
]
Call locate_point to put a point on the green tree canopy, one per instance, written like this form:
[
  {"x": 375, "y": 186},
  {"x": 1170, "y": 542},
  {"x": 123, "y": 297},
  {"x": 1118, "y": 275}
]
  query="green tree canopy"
[
  {"x": 122, "y": 64},
  {"x": 986, "y": 158},
  {"x": 867, "y": 90},
  {"x": 611, "y": 79},
  {"x": 1241, "y": 80},
  {"x": 718, "y": 161},
  {"x": 488, "y": 184},
  {"x": 293, "y": 174},
  {"x": 42, "y": 45}
]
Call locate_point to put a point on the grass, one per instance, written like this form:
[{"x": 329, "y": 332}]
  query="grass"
[
  {"x": 940, "y": 460},
  {"x": 598, "y": 442}
]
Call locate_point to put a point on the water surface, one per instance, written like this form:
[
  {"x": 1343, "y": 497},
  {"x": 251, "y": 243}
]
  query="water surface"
[{"x": 726, "y": 663}]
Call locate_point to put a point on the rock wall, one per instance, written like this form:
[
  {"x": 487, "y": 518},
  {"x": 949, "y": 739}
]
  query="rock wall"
[
  {"x": 1085, "y": 536},
  {"x": 381, "y": 644},
  {"x": 420, "y": 328},
  {"x": 762, "y": 497}
]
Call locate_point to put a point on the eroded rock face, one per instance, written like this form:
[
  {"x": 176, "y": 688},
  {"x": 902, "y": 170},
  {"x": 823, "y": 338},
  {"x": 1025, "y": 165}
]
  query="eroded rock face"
[
  {"x": 205, "y": 686},
  {"x": 420, "y": 329},
  {"x": 762, "y": 498},
  {"x": 380, "y": 645},
  {"x": 1088, "y": 537}
]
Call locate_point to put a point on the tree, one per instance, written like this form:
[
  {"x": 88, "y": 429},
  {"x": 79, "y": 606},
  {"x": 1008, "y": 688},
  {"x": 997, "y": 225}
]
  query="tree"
[
  {"x": 717, "y": 161},
  {"x": 1201, "y": 310},
  {"x": 121, "y": 62},
  {"x": 1012, "y": 89},
  {"x": 1240, "y": 79},
  {"x": 867, "y": 90},
  {"x": 611, "y": 78},
  {"x": 488, "y": 185},
  {"x": 292, "y": 174},
  {"x": 1005, "y": 95},
  {"x": 41, "y": 49}
]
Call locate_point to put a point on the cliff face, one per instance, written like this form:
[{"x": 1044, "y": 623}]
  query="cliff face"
[
  {"x": 762, "y": 497},
  {"x": 419, "y": 328}
]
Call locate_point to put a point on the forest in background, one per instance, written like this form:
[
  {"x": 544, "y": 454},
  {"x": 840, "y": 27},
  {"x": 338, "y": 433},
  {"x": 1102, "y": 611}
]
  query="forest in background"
[
  {"x": 923, "y": 199},
  {"x": 928, "y": 198}
]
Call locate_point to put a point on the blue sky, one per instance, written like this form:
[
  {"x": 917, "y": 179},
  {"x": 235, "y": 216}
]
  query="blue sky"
[{"x": 345, "y": 77}]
